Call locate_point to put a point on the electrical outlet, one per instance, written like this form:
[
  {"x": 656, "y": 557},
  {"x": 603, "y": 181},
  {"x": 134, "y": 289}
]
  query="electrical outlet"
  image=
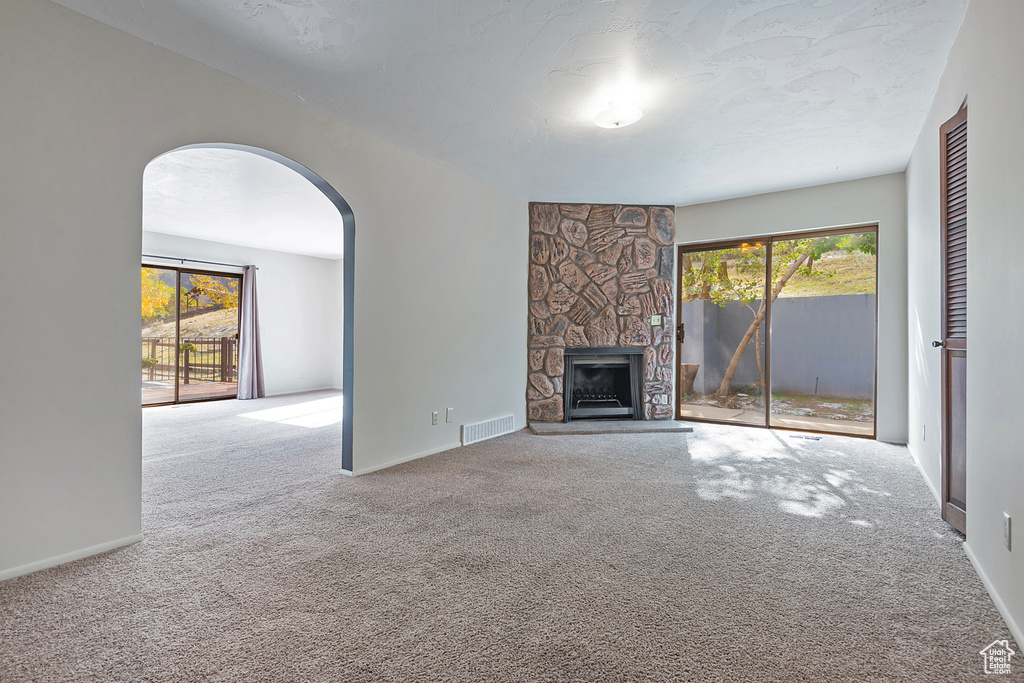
[
  {"x": 656, "y": 320},
  {"x": 434, "y": 419},
  {"x": 1007, "y": 531},
  {"x": 449, "y": 415}
]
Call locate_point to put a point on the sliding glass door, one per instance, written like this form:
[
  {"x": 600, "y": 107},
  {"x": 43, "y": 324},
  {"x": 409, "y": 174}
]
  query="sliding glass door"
[
  {"x": 208, "y": 335},
  {"x": 823, "y": 336},
  {"x": 159, "y": 362},
  {"x": 190, "y": 322},
  {"x": 780, "y": 332},
  {"x": 722, "y": 330}
]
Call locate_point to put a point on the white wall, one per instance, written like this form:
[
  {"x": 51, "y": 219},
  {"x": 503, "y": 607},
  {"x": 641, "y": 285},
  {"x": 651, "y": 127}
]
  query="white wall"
[
  {"x": 299, "y": 305},
  {"x": 986, "y": 65},
  {"x": 440, "y": 275},
  {"x": 879, "y": 200}
]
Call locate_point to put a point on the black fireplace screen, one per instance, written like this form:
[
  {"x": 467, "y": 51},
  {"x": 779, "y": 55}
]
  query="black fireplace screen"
[{"x": 603, "y": 383}]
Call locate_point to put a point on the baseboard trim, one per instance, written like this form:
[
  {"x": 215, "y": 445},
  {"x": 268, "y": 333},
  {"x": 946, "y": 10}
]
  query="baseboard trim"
[
  {"x": 931, "y": 486},
  {"x": 281, "y": 394},
  {"x": 1015, "y": 630},
  {"x": 399, "y": 461},
  {"x": 68, "y": 557}
]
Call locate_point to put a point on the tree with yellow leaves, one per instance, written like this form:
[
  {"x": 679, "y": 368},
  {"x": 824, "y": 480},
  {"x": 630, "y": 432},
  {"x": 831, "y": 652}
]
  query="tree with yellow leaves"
[
  {"x": 157, "y": 295},
  {"x": 220, "y": 291}
]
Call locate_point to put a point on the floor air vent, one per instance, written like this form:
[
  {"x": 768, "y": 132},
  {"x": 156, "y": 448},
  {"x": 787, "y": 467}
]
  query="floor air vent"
[{"x": 488, "y": 429}]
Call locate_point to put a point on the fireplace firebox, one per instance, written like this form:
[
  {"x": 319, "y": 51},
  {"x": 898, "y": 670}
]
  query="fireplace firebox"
[{"x": 603, "y": 382}]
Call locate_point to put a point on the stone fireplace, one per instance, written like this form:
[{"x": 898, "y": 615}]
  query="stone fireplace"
[{"x": 600, "y": 276}]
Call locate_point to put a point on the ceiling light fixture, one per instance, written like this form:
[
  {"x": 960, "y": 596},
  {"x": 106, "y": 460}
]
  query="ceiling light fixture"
[{"x": 617, "y": 116}]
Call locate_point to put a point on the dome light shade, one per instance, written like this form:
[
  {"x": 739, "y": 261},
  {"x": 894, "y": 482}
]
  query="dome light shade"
[{"x": 617, "y": 116}]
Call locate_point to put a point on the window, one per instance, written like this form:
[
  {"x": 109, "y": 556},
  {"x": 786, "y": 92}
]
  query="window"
[{"x": 190, "y": 322}]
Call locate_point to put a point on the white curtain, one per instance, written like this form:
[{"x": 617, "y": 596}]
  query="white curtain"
[{"x": 250, "y": 357}]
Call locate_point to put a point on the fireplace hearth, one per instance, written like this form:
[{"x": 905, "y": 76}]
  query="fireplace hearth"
[{"x": 603, "y": 382}]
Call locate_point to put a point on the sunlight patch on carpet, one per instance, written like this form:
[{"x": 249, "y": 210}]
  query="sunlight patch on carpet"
[{"x": 311, "y": 414}]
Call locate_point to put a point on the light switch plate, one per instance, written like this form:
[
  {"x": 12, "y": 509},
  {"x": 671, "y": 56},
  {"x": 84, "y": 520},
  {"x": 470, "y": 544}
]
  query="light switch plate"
[{"x": 449, "y": 415}]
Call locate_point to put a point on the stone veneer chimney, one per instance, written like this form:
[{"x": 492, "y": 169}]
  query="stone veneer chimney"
[{"x": 598, "y": 272}]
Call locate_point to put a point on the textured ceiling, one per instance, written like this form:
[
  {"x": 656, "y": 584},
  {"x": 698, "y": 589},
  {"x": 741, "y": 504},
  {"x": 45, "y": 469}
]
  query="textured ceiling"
[
  {"x": 739, "y": 96},
  {"x": 237, "y": 197}
]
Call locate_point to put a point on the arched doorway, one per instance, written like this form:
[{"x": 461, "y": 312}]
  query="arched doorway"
[{"x": 275, "y": 171}]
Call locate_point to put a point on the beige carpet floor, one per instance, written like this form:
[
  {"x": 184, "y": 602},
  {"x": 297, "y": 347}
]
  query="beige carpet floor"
[{"x": 726, "y": 554}]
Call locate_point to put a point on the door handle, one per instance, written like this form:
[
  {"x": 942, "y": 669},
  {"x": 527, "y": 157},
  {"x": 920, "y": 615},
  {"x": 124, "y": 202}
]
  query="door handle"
[
  {"x": 939, "y": 344},
  {"x": 679, "y": 333}
]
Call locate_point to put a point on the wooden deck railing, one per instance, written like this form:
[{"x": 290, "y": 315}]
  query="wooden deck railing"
[{"x": 201, "y": 360}]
